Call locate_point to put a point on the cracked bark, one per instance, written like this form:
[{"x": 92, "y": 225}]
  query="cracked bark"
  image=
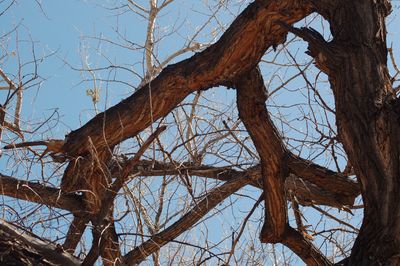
[
  {"x": 355, "y": 61},
  {"x": 239, "y": 49}
]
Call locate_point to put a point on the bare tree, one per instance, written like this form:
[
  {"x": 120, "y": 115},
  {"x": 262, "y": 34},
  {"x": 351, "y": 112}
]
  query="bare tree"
[{"x": 173, "y": 174}]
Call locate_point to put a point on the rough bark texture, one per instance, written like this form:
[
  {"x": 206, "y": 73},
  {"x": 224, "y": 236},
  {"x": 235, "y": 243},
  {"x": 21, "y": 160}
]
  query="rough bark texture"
[
  {"x": 251, "y": 98},
  {"x": 355, "y": 61},
  {"x": 364, "y": 100},
  {"x": 239, "y": 49}
]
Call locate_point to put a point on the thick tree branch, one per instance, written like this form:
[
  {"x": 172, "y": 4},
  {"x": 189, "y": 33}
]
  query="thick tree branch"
[
  {"x": 367, "y": 125},
  {"x": 35, "y": 192},
  {"x": 239, "y": 49},
  {"x": 251, "y": 97},
  {"x": 343, "y": 188}
]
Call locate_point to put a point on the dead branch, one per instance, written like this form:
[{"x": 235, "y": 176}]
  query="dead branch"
[{"x": 310, "y": 183}]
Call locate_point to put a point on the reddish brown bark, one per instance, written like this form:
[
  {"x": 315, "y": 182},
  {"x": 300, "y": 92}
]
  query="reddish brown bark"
[
  {"x": 251, "y": 97},
  {"x": 239, "y": 49}
]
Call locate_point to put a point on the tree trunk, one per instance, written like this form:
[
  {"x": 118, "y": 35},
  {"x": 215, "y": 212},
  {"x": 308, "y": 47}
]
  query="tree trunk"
[{"x": 367, "y": 120}]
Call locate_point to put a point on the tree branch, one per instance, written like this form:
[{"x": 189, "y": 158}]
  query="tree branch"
[
  {"x": 343, "y": 188},
  {"x": 35, "y": 192},
  {"x": 310, "y": 183},
  {"x": 216, "y": 65},
  {"x": 105, "y": 241},
  {"x": 212, "y": 199},
  {"x": 304, "y": 248},
  {"x": 75, "y": 232},
  {"x": 251, "y": 97},
  {"x": 232, "y": 55}
]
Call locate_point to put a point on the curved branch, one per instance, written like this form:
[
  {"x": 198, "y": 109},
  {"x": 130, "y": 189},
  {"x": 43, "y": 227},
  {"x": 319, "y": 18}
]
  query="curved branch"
[
  {"x": 251, "y": 98},
  {"x": 239, "y": 49}
]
